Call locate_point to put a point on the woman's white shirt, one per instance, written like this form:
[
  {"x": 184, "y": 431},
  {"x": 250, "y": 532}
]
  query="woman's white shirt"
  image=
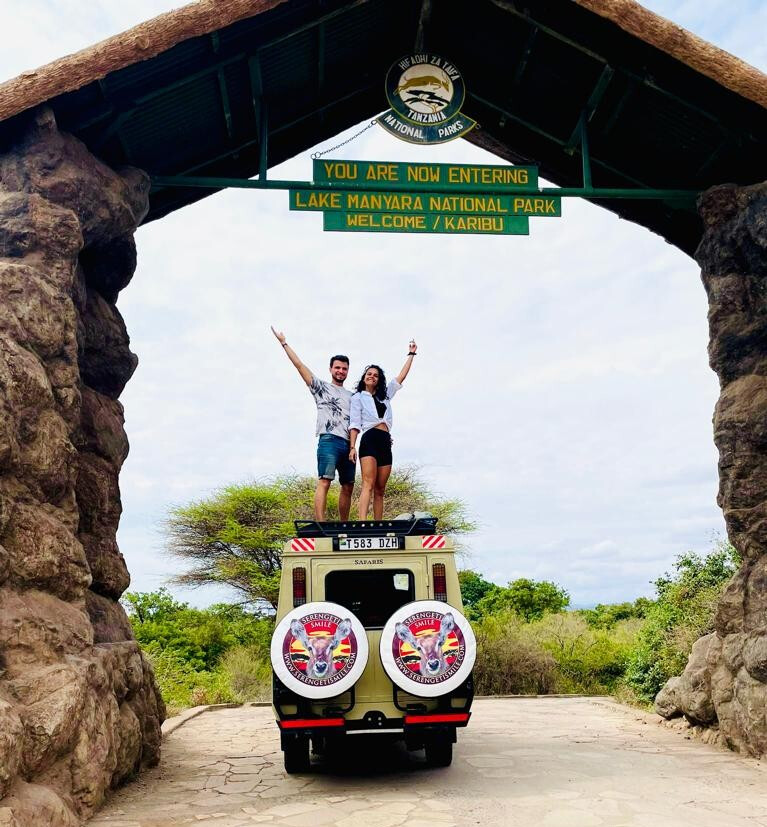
[{"x": 363, "y": 414}]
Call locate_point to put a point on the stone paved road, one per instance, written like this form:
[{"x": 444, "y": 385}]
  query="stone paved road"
[{"x": 553, "y": 762}]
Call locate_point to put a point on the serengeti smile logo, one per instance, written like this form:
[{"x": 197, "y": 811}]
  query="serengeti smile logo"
[{"x": 425, "y": 93}]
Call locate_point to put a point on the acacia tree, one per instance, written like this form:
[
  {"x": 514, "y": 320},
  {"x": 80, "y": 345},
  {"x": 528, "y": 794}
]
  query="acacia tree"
[{"x": 235, "y": 536}]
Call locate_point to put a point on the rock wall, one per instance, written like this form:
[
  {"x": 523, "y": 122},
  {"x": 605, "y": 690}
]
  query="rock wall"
[
  {"x": 725, "y": 681},
  {"x": 79, "y": 709}
]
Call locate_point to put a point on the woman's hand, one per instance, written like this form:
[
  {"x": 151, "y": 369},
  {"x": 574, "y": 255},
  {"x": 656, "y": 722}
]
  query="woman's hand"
[
  {"x": 412, "y": 348},
  {"x": 353, "y": 455},
  {"x": 279, "y": 335}
]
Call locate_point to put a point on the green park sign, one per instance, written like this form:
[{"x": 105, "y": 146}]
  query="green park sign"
[
  {"x": 396, "y": 197},
  {"x": 383, "y": 222},
  {"x": 478, "y": 178},
  {"x": 425, "y": 202}
]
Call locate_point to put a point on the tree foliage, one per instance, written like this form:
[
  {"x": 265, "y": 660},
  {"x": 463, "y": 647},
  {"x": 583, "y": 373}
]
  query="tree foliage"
[
  {"x": 683, "y": 612},
  {"x": 473, "y": 587},
  {"x": 528, "y": 599},
  {"x": 197, "y": 637},
  {"x": 606, "y": 615},
  {"x": 214, "y": 655},
  {"x": 235, "y": 536}
]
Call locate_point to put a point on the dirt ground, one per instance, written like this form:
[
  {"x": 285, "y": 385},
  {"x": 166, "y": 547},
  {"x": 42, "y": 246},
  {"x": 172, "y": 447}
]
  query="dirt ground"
[{"x": 548, "y": 762}]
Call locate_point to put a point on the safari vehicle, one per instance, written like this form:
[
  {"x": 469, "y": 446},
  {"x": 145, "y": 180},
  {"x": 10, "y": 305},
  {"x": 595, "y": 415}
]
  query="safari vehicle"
[{"x": 370, "y": 639}]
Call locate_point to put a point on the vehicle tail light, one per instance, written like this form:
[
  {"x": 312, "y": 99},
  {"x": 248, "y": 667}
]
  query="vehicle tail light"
[
  {"x": 440, "y": 582},
  {"x": 457, "y": 718},
  {"x": 310, "y": 723},
  {"x": 299, "y": 586}
]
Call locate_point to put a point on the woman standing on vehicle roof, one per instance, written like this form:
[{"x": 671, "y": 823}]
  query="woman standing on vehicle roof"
[{"x": 371, "y": 415}]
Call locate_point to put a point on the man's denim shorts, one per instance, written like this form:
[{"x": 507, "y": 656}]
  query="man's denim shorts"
[{"x": 332, "y": 455}]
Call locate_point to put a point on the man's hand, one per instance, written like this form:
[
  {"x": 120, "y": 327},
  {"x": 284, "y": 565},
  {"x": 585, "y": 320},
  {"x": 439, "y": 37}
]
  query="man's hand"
[
  {"x": 412, "y": 347},
  {"x": 306, "y": 374},
  {"x": 353, "y": 455}
]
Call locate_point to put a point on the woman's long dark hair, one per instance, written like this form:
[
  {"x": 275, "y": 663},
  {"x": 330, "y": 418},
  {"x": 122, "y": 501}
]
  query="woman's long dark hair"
[{"x": 380, "y": 391}]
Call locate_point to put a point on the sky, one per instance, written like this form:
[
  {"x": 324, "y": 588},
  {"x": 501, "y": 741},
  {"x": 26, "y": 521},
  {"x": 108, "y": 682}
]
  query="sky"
[{"x": 561, "y": 388}]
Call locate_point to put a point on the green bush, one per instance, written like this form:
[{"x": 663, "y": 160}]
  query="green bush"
[
  {"x": 182, "y": 686},
  {"x": 605, "y": 616},
  {"x": 589, "y": 661},
  {"x": 201, "y": 656},
  {"x": 198, "y": 636},
  {"x": 683, "y": 612},
  {"x": 557, "y": 653},
  {"x": 509, "y": 660},
  {"x": 248, "y": 673}
]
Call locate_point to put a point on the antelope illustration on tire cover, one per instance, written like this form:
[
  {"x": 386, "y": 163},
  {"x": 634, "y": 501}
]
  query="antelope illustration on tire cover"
[
  {"x": 429, "y": 647},
  {"x": 320, "y": 648}
]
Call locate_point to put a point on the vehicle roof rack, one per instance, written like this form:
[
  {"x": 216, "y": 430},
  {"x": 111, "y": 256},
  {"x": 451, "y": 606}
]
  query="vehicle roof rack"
[{"x": 366, "y": 528}]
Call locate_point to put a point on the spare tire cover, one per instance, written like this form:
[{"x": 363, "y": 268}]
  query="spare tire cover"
[
  {"x": 319, "y": 650},
  {"x": 428, "y": 648}
]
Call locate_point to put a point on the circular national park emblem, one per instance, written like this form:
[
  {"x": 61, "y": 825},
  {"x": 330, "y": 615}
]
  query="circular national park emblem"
[
  {"x": 428, "y": 90},
  {"x": 425, "y": 93},
  {"x": 319, "y": 650},
  {"x": 428, "y": 648}
]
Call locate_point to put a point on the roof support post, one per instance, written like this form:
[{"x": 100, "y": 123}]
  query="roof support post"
[
  {"x": 592, "y": 104},
  {"x": 523, "y": 61},
  {"x": 585, "y": 154},
  {"x": 423, "y": 21},
  {"x": 505, "y": 113},
  {"x": 320, "y": 58},
  {"x": 113, "y": 130},
  {"x": 223, "y": 91},
  {"x": 263, "y": 142},
  {"x": 259, "y": 110}
]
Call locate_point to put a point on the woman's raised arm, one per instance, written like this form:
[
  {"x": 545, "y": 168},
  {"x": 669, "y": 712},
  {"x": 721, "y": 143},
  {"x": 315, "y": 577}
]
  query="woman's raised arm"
[{"x": 413, "y": 347}]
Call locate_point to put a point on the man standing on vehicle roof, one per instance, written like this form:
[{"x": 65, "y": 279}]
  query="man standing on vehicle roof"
[{"x": 332, "y": 400}]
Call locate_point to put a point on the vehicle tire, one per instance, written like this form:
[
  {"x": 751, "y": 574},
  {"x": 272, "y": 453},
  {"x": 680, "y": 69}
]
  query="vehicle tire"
[
  {"x": 296, "y": 756},
  {"x": 439, "y": 752},
  {"x": 428, "y": 648},
  {"x": 302, "y": 642}
]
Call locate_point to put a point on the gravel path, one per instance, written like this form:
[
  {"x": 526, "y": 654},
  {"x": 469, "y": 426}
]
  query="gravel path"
[{"x": 545, "y": 762}]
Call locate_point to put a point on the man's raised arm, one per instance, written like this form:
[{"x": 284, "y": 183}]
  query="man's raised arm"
[{"x": 306, "y": 374}]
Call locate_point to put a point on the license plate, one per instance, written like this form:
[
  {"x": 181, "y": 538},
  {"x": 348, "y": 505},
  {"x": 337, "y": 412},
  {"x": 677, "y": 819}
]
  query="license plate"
[{"x": 363, "y": 543}]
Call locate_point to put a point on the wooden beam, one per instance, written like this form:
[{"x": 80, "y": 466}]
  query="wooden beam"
[
  {"x": 511, "y": 8},
  {"x": 423, "y": 22},
  {"x": 217, "y": 65},
  {"x": 523, "y": 61},
  {"x": 597, "y": 93},
  {"x": 553, "y": 138},
  {"x": 222, "y": 90}
]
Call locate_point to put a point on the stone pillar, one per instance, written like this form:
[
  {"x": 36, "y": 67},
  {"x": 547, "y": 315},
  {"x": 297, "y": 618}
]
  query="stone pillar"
[
  {"x": 79, "y": 708},
  {"x": 725, "y": 681}
]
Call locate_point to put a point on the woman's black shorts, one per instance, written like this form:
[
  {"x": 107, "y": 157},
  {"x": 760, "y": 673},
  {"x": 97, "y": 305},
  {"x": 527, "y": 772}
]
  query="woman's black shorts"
[{"x": 376, "y": 443}]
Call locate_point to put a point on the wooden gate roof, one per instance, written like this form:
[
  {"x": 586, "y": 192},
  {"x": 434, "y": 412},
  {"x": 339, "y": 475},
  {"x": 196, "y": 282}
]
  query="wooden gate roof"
[{"x": 187, "y": 92}]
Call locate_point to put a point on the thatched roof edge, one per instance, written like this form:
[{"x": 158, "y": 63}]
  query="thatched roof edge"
[
  {"x": 724, "y": 68},
  {"x": 142, "y": 42},
  {"x": 154, "y": 36}
]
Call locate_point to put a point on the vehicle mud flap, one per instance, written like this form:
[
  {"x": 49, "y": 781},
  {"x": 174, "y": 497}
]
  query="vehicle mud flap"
[
  {"x": 319, "y": 650},
  {"x": 428, "y": 648}
]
